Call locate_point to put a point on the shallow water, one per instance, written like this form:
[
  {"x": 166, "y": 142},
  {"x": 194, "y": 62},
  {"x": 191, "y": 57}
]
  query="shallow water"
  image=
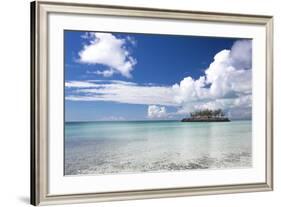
[{"x": 149, "y": 146}]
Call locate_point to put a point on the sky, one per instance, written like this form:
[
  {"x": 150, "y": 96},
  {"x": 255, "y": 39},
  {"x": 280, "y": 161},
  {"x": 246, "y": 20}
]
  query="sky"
[{"x": 125, "y": 76}]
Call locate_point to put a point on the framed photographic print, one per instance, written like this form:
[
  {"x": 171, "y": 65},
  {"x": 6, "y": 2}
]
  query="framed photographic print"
[{"x": 133, "y": 103}]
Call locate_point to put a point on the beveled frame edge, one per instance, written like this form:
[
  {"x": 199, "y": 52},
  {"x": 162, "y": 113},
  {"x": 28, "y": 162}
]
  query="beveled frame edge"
[{"x": 39, "y": 101}]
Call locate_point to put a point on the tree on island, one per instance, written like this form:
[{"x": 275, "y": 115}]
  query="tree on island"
[
  {"x": 207, "y": 115},
  {"x": 218, "y": 113}
]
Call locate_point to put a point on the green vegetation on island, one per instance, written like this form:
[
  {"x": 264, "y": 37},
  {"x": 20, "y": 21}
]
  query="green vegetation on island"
[{"x": 207, "y": 115}]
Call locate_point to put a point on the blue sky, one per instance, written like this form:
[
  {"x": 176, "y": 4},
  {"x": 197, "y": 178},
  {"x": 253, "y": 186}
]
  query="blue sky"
[{"x": 124, "y": 76}]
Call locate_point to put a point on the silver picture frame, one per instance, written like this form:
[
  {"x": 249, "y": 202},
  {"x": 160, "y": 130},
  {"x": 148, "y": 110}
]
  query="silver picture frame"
[{"x": 39, "y": 100}]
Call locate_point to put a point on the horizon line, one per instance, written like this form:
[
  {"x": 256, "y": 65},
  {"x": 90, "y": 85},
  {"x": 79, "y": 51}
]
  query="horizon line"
[{"x": 142, "y": 120}]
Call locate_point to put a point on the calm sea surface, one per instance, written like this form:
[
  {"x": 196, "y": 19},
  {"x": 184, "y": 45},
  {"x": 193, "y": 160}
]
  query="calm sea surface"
[{"x": 150, "y": 146}]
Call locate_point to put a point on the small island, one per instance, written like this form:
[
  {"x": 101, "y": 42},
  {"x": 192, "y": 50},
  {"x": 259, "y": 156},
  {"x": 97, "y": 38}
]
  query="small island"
[{"x": 207, "y": 115}]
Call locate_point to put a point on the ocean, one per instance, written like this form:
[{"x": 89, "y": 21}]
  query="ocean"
[{"x": 155, "y": 146}]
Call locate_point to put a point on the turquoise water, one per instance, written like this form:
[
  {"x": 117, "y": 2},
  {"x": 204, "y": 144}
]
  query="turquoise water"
[{"x": 150, "y": 146}]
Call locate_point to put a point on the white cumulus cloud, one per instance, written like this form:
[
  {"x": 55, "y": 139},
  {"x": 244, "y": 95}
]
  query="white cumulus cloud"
[
  {"x": 154, "y": 111},
  {"x": 110, "y": 51},
  {"x": 227, "y": 82}
]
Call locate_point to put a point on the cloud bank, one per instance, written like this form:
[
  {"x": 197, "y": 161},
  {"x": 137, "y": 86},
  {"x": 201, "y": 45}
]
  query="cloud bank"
[
  {"x": 108, "y": 50},
  {"x": 119, "y": 91},
  {"x": 226, "y": 84},
  {"x": 157, "y": 112}
]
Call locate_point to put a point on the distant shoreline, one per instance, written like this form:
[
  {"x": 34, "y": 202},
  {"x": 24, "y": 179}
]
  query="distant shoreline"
[{"x": 218, "y": 119}]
